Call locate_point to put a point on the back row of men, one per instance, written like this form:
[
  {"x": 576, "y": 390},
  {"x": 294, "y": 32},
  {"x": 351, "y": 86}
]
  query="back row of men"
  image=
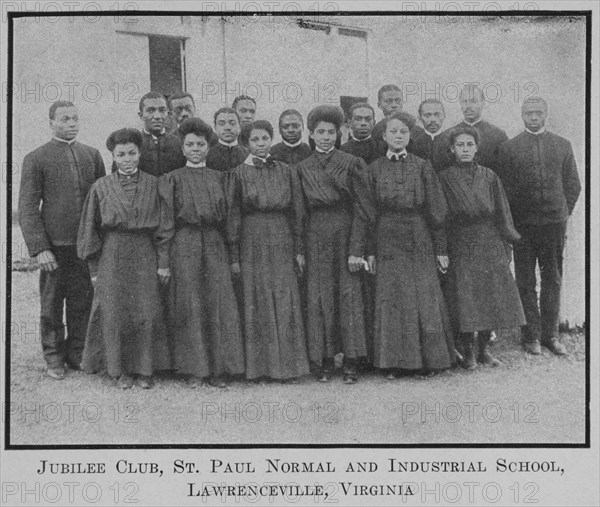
[{"x": 162, "y": 147}]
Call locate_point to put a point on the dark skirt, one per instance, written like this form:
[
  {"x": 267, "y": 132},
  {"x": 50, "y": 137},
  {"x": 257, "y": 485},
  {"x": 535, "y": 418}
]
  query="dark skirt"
[
  {"x": 484, "y": 292},
  {"x": 273, "y": 327},
  {"x": 335, "y": 301},
  {"x": 203, "y": 315},
  {"x": 126, "y": 332},
  {"x": 412, "y": 327}
]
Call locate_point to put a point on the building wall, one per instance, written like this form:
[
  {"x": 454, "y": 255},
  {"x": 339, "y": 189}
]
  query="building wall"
[{"x": 287, "y": 66}]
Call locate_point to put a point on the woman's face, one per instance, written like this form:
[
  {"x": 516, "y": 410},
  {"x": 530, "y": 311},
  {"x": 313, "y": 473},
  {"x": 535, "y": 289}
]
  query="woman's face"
[
  {"x": 259, "y": 143},
  {"x": 324, "y": 135},
  {"x": 396, "y": 135},
  {"x": 127, "y": 157},
  {"x": 195, "y": 148},
  {"x": 464, "y": 148}
]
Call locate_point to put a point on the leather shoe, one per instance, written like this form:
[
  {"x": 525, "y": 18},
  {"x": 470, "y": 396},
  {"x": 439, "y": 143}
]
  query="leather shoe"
[
  {"x": 125, "y": 381},
  {"x": 57, "y": 373},
  {"x": 145, "y": 382},
  {"x": 533, "y": 348},
  {"x": 554, "y": 346}
]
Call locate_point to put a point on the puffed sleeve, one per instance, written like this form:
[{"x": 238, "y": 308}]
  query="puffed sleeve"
[
  {"x": 89, "y": 234},
  {"x": 232, "y": 185},
  {"x": 299, "y": 211},
  {"x": 166, "y": 229},
  {"x": 437, "y": 208},
  {"x": 365, "y": 213},
  {"x": 30, "y": 217},
  {"x": 503, "y": 216}
]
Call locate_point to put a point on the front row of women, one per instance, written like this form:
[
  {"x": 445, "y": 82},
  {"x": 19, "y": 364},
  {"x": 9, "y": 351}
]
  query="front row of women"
[{"x": 200, "y": 242}]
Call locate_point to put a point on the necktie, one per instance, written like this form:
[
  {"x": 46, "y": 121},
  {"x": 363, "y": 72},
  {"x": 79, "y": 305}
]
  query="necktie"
[{"x": 397, "y": 158}]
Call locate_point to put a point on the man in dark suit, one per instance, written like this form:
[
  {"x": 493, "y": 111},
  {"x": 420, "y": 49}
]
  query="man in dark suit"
[
  {"x": 182, "y": 107},
  {"x": 161, "y": 150},
  {"x": 431, "y": 143},
  {"x": 55, "y": 182},
  {"x": 491, "y": 137},
  {"x": 539, "y": 173},
  {"x": 361, "y": 142},
  {"x": 390, "y": 101}
]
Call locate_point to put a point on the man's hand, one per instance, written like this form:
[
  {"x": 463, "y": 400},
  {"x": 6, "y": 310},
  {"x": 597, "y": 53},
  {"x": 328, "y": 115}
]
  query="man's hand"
[
  {"x": 47, "y": 261},
  {"x": 443, "y": 262},
  {"x": 164, "y": 275},
  {"x": 355, "y": 263},
  {"x": 372, "y": 264},
  {"x": 94, "y": 280},
  {"x": 235, "y": 269}
]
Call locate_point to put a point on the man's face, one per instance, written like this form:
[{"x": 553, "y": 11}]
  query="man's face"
[
  {"x": 362, "y": 122},
  {"x": 391, "y": 102},
  {"x": 432, "y": 116},
  {"x": 471, "y": 104},
  {"x": 227, "y": 127},
  {"x": 534, "y": 115},
  {"x": 290, "y": 128},
  {"x": 247, "y": 111},
  {"x": 65, "y": 124},
  {"x": 154, "y": 115},
  {"x": 396, "y": 135},
  {"x": 182, "y": 109}
]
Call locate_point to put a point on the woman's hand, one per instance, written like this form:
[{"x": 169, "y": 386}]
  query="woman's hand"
[
  {"x": 235, "y": 269},
  {"x": 355, "y": 263},
  {"x": 301, "y": 263},
  {"x": 443, "y": 262},
  {"x": 372, "y": 264},
  {"x": 164, "y": 275},
  {"x": 47, "y": 261}
]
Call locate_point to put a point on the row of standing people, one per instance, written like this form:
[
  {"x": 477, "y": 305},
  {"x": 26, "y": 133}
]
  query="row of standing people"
[{"x": 367, "y": 213}]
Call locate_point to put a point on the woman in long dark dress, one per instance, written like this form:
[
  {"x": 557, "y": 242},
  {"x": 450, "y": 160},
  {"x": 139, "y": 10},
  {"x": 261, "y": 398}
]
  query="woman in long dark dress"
[
  {"x": 480, "y": 231},
  {"x": 399, "y": 227},
  {"x": 121, "y": 235},
  {"x": 203, "y": 315},
  {"x": 265, "y": 238},
  {"x": 335, "y": 305}
]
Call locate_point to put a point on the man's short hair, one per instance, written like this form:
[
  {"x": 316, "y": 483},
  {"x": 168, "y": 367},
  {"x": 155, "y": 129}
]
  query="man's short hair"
[
  {"x": 387, "y": 88},
  {"x": 431, "y": 101},
  {"x": 289, "y": 112},
  {"x": 151, "y": 95},
  {"x": 359, "y": 105},
  {"x": 228, "y": 110},
  {"x": 56, "y": 105},
  {"x": 240, "y": 98},
  {"x": 406, "y": 118},
  {"x": 535, "y": 100},
  {"x": 180, "y": 95}
]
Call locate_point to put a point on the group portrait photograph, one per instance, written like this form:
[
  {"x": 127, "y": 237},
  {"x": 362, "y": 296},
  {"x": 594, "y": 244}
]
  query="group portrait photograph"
[{"x": 298, "y": 228}]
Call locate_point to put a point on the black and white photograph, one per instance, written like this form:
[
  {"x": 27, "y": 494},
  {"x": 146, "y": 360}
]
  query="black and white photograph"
[{"x": 280, "y": 253}]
